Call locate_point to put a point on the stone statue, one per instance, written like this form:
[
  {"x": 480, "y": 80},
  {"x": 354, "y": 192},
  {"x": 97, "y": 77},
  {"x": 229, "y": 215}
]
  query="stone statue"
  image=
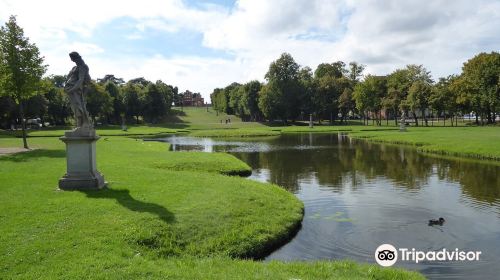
[
  {"x": 402, "y": 123},
  {"x": 81, "y": 164},
  {"x": 76, "y": 87}
]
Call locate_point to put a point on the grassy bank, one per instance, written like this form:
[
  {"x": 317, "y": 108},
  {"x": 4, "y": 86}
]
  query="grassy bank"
[
  {"x": 108, "y": 130},
  {"x": 241, "y": 132},
  {"x": 165, "y": 214},
  {"x": 462, "y": 141},
  {"x": 472, "y": 142}
]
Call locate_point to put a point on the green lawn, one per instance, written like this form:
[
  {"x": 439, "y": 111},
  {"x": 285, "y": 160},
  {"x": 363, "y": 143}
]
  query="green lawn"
[
  {"x": 464, "y": 141},
  {"x": 473, "y": 142},
  {"x": 108, "y": 130},
  {"x": 165, "y": 214},
  {"x": 199, "y": 118},
  {"x": 237, "y": 132},
  {"x": 176, "y": 215}
]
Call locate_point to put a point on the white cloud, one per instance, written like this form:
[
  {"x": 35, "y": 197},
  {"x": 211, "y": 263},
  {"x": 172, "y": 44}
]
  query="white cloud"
[{"x": 384, "y": 35}]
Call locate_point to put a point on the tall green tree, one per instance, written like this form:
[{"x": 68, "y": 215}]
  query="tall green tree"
[
  {"x": 308, "y": 88},
  {"x": 118, "y": 107},
  {"x": 481, "y": 77},
  {"x": 283, "y": 78},
  {"x": 331, "y": 79},
  {"x": 250, "y": 100},
  {"x": 99, "y": 102},
  {"x": 418, "y": 98},
  {"x": 355, "y": 72},
  {"x": 132, "y": 100},
  {"x": 157, "y": 101},
  {"x": 443, "y": 98},
  {"x": 58, "y": 109},
  {"x": 271, "y": 102},
  {"x": 369, "y": 94},
  {"x": 399, "y": 83},
  {"x": 346, "y": 103},
  {"x": 21, "y": 67},
  {"x": 235, "y": 94}
]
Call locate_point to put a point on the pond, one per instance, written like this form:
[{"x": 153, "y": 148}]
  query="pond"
[{"x": 359, "y": 195}]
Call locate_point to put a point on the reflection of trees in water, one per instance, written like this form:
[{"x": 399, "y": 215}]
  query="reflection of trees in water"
[
  {"x": 478, "y": 180},
  {"x": 344, "y": 162}
]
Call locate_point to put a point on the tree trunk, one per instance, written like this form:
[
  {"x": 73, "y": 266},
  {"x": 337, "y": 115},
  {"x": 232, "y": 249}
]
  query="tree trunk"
[
  {"x": 415, "y": 117},
  {"x": 490, "y": 121},
  {"x": 23, "y": 124}
]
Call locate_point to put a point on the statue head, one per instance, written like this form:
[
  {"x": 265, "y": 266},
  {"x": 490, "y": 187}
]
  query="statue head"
[{"x": 75, "y": 56}]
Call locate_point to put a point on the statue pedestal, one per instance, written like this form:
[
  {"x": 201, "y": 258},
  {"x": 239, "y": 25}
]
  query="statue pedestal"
[
  {"x": 81, "y": 171},
  {"x": 402, "y": 127}
]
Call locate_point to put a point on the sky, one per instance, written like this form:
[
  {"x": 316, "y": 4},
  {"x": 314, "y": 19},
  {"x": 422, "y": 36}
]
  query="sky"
[{"x": 202, "y": 45}]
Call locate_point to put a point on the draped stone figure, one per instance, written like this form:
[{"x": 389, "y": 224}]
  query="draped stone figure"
[
  {"x": 76, "y": 87},
  {"x": 81, "y": 164}
]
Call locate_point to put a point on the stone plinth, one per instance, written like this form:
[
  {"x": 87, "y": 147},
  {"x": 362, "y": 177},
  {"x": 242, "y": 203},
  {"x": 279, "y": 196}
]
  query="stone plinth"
[{"x": 81, "y": 166}]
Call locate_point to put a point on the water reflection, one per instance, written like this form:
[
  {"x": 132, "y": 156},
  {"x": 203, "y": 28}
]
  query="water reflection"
[{"x": 358, "y": 195}]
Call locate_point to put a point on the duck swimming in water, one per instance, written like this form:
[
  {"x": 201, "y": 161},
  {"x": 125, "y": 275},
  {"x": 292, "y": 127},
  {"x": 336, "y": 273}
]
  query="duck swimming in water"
[{"x": 433, "y": 222}]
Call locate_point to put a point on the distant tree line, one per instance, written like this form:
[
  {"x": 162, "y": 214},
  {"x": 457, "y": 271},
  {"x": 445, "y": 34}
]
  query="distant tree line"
[
  {"x": 110, "y": 100},
  {"x": 25, "y": 94},
  {"x": 336, "y": 91}
]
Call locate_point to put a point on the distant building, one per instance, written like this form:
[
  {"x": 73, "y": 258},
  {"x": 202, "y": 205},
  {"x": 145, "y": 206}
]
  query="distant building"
[{"x": 192, "y": 99}]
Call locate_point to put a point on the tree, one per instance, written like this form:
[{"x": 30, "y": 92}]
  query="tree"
[
  {"x": 418, "y": 98},
  {"x": 132, "y": 100},
  {"x": 117, "y": 99},
  {"x": 443, "y": 99},
  {"x": 399, "y": 83},
  {"x": 481, "y": 77},
  {"x": 271, "y": 102},
  {"x": 36, "y": 106},
  {"x": 235, "y": 93},
  {"x": 369, "y": 94},
  {"x": 157, "y": 101},
  {"x": 355, "y": 72},
  {"x": 21, "y": 67},
  {"x": 57, "y": 108},
  {"x": 99, "y": 101},
  {"x": 283, "y": 78},
  {"x": 218, "y": 99},
  {"x": 307, "y": 90},
  {"x": 250, "y": 99},
  {"x": 346, "y": 103},
  {"x": 7, "y": 111},
  {"x": 330, "y": 82},
  {"x": 111, "y": 78}
]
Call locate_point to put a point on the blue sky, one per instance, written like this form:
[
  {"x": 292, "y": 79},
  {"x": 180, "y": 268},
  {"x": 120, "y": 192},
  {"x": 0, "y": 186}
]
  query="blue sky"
[
  {"x": 121, "y": 37},
  {"x": 200, "y": 45}
]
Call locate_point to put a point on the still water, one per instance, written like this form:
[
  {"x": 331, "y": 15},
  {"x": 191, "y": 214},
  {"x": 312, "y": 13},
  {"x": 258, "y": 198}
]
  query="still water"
[{"x": 359, "y": 195}]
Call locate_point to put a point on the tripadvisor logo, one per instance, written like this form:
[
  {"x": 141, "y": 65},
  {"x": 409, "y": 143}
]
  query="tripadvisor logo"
[{"x": 387, "y": 255}]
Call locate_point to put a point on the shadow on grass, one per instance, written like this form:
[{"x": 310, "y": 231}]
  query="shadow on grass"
[
  {"x": 30, "y": 155},
  {"x": 123, "y": 197}
]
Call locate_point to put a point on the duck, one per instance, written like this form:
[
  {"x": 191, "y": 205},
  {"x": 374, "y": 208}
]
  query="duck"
[{"x": 439, "y": 221}]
